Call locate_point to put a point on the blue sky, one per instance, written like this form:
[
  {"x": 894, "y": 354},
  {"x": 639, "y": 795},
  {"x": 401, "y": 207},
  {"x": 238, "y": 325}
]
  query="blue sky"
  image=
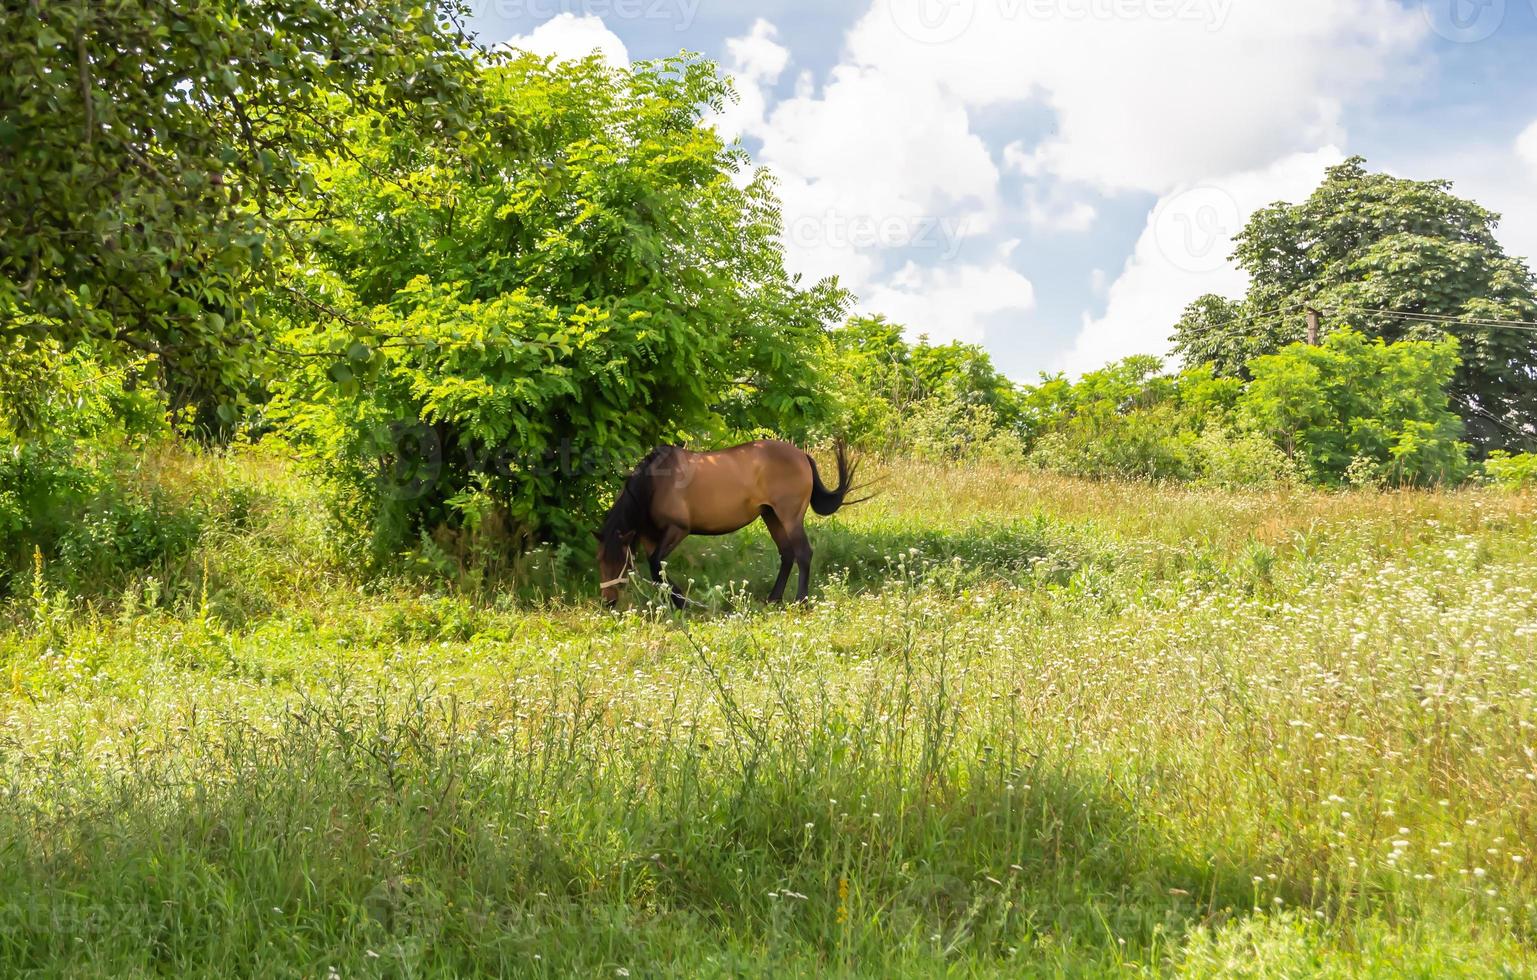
[{"x": 1055, "y": 179}]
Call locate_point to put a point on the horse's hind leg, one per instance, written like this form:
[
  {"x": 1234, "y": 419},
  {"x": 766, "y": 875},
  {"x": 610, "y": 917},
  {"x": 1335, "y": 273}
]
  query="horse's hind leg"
[
  {"x": 800, "y": 547},
  {"x": 786, "y": 552}
]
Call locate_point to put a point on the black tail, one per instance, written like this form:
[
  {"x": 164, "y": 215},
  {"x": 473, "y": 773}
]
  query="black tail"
[{"x": 823, "y": 500}]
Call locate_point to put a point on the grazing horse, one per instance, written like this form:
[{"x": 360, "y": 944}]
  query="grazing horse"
[{"x": 673, "y": 493}]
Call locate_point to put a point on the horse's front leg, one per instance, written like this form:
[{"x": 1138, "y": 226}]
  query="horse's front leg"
[{"x": 672, "y": 536}]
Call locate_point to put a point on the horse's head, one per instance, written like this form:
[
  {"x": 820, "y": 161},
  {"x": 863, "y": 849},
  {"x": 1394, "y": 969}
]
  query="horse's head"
[{"x": 615, "y": 557}]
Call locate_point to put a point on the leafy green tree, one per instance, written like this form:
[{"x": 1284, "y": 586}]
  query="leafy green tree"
[
  {"x": 875, "y": 378},
  {"x": 1124, "y": 386},
  {"x": 1131, "y": 419},
  {"x": 521, "y": 317},
  {"x": 1365, "y": 242},
  {"x": 1359, "y": 409},
  {"x": 1218, "y": 331},
  {"x": 150, "y": 152}
]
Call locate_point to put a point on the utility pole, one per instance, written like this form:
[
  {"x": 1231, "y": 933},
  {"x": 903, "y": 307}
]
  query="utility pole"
[{"x": 1313, "y": 316}]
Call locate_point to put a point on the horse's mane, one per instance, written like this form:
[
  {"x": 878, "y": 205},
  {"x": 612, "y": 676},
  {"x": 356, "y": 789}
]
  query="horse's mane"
[{"x": 632, "y": 508}]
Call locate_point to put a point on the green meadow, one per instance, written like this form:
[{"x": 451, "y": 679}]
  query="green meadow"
[{"x": 1027, "y": 725}]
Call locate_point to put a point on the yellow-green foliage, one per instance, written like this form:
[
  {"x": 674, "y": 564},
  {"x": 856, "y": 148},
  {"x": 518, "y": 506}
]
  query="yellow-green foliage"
[
  {"x": 530, "y": 312},
  {"x": 1515, "y": 471},
  {"x": 77, "y": 477},
  {"x": 1355, "y": 409},
  {"x": 1029, "y": 724},
  {"x": 939, "y": 401}
]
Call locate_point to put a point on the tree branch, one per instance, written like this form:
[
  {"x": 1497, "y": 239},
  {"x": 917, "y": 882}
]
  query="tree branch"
[{"x": 84, "y": 59}]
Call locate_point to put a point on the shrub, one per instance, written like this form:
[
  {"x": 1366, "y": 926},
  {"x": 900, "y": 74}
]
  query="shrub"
[
  {"x": 71, "y": 484},
  {"x": 1132, "y": 420},
  {"x": 1515, "y": 472},
  {"x": 876, "y": 385},
  {"x": 1148, "y": 444},
  {"x": 940, "y": 429},
  {"x": 588, "y": 279},
  {"x": 1235, "y": 460},
  {"x": 1369, "y": 410}
]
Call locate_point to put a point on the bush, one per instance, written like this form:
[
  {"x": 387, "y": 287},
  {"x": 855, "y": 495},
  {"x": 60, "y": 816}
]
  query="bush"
[
  {"x": 1237, "y": 460},
  {"x": 72, "y": 485},
  {"x": 941, "y": 429},
  {"x": 1514, "y": 472},
  {"x": 1149, "y": 444},
  {"x": 1360, "y": 411},
  {"x": 588, "y": 279},
  {"x": 1130, "y": 420},
  {"x": 881, "y": 393}
]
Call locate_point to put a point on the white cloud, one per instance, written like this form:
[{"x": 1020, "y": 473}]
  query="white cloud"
[
  {"x": 1516, "y": 199},
  {"x": 568, "y": 37},
  {"x": 757, "y": 54},
  {"x": 1055, "y": 212},
  {"x": 1154, "y": 95},
  {"x": 950, "y": 302},
  {"x": 1526, "y": 147},
  {"x": 1501, "y": 177},
  {"x": 1182, "y": 254},
  {"x": 877, "y": 158},
  {"x": 1022, "y": 161},
  {"x": 876, "y": 162},
  {"x": 755, "y": 61}
]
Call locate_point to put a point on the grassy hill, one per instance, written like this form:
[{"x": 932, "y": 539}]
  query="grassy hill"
[{"x": 1027, "y": 725}]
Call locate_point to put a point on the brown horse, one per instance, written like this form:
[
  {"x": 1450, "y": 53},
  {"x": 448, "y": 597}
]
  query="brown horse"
[{"x": 673, "y": 493}]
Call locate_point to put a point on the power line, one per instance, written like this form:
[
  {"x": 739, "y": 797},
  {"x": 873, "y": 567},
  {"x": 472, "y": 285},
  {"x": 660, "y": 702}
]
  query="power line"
[
  {"x": 1527, "y": 325},
  {"x": 1277, "y": 315},
  {"x": 1525, "y": 435}
]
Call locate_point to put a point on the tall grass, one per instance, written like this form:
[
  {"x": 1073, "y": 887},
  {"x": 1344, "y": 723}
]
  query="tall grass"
[{"x": 1028, "y": 725}]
